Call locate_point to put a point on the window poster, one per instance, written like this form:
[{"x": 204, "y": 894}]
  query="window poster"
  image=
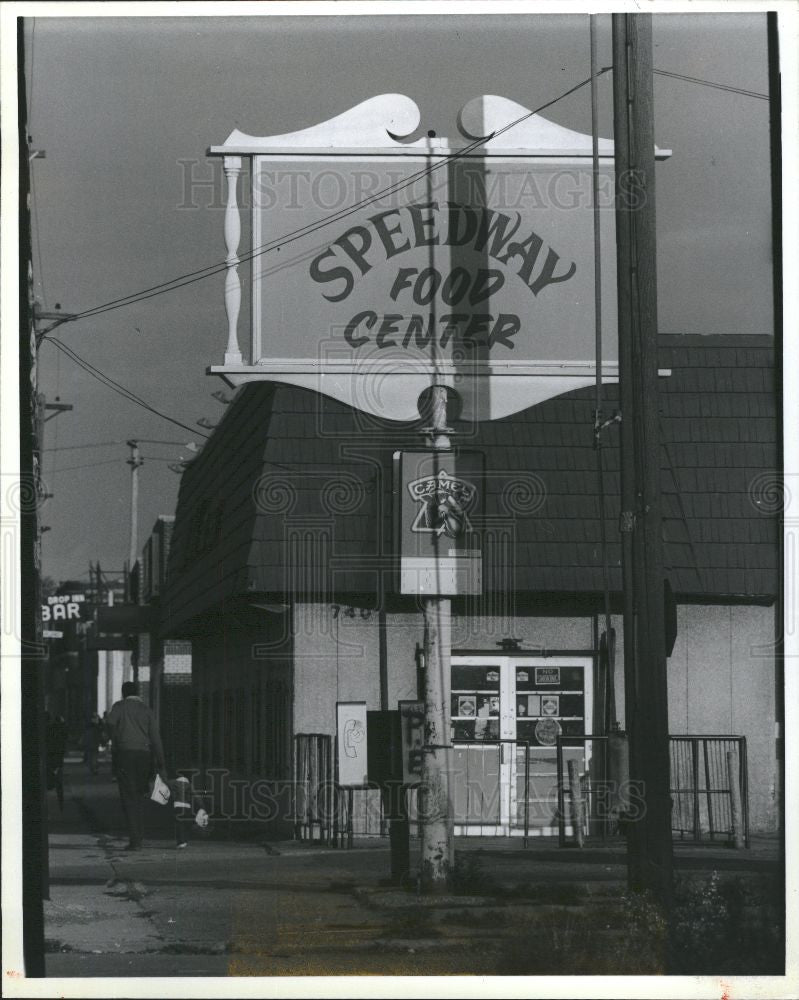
[
  {"x": 547, "y": 675},
  {"x": 467, "y": 705},
  {"x": 550, "y": 705}
]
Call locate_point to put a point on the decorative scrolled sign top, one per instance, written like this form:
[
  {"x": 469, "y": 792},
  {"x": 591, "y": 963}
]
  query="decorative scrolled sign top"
[
  {"x": 369, "y": 123},
  {"x": 380, "y": 265}
]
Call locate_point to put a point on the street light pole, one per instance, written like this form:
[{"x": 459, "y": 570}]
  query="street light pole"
[{"x": 135, "y": 462}]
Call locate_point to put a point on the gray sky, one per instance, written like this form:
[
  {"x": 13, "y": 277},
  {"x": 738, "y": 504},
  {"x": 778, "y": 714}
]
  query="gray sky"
[{"x": 118, "y": 103}]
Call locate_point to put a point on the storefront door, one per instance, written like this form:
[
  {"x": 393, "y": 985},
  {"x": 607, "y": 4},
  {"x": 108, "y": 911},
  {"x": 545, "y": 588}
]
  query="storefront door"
[{"x": 507, "y": 712}]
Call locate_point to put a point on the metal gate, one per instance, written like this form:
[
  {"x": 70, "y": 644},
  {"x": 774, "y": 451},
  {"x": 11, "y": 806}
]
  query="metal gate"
[{"x": 700, "y": 786}]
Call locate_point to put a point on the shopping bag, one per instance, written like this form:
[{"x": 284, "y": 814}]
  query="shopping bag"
[{"x": 160, "y": 792}]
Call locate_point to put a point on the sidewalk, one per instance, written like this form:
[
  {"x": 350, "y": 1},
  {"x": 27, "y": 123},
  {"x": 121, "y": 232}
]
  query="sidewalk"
[{"x": 222, "y": 907}]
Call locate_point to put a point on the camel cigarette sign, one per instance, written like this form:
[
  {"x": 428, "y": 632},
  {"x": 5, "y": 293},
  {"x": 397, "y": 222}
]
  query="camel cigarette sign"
[{"x": 439, "y": 506}]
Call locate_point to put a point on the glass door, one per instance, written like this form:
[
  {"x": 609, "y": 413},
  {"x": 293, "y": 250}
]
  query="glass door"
[
  {"x": 507, "y": 713},
  {"x": 553, "y": 696},
  {"x": 481, "y": 719}
]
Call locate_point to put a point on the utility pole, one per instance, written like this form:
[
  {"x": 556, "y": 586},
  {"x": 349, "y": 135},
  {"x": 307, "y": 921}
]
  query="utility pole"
[
  {"x": 438, "y": 842},
  {"x": 135, "y": 464},
  {"x": 646, "y": 694},
  {"x": 33, "y": 867}
]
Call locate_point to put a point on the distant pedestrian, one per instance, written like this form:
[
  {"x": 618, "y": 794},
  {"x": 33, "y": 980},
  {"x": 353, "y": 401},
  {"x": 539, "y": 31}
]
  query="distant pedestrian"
[
  {"x": 55, "y": 747},
  {"x": 92, "y": 738},
  {"x": 139, "y": 756}
]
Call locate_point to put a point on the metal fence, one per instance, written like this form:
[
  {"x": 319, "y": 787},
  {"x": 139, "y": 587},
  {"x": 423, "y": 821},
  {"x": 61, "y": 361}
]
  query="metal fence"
[
  {"x": 541, "y": 793},
  {"x": 322, "y": 810},
  {"x": 699, "y": 785}
]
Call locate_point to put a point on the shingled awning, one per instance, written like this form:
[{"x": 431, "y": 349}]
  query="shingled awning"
[{"x": 293, "y": 488}]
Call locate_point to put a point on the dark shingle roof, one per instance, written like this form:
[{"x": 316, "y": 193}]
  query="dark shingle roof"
[{"x": 290, "y": 482}]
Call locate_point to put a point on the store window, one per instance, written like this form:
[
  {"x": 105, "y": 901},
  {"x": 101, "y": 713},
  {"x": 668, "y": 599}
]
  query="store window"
[
  {"x": 550, "y": 702},
  {"x": 475, "y": 702}
]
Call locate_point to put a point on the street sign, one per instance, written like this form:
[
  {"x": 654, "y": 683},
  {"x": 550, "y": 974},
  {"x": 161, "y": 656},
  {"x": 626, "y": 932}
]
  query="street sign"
[
  {"x": 412, "y": 730},
  {"x": 439, "y": 507}
]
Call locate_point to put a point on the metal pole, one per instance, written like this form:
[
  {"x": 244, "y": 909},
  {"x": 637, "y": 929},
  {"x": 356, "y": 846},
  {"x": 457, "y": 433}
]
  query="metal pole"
[
  {"x": 576, "y": 801},
  {"x": 435, "y": 805},
  {"x": 650, "y": 848},
  {"x": 733, "y": 777}
]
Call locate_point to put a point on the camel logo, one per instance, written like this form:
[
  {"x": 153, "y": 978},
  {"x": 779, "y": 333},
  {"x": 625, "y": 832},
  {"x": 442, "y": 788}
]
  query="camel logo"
[{"x": 443, "y": 504}]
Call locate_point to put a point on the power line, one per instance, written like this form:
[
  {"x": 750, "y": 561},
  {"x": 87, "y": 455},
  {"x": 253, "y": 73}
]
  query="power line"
[
  {"x": 710, "y": 83},
  {"x": 107, "y": 444},
  {"x": 210, "y": 270},
  {"x": 93, "y": 444},
  {"x": 89, "y": 465},
  {"x": 307, "y": 230},
  {"x": 119, "y": 388}
]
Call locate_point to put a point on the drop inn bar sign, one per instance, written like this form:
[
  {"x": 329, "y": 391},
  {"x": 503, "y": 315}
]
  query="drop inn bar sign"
[{"x": 378, "y": 265}]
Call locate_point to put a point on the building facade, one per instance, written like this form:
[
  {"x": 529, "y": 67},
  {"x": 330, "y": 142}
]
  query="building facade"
[{"x": 283, "y": 575}]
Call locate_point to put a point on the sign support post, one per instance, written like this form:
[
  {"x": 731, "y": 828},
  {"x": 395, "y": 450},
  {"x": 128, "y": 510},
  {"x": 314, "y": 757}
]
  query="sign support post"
[{"x": 435, "y": 803}]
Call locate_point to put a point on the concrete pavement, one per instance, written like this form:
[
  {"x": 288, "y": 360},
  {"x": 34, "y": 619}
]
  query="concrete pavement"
[{"x": 229, "y": 908}]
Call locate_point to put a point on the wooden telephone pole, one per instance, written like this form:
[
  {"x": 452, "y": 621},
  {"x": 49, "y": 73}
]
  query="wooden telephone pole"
[{"x": 646, "y": 694}]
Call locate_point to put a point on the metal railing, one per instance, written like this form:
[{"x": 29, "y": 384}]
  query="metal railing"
[
  {"x": 322, "y": 810},
  {"x": 701, "y": 797},
  {"x": 700, "y": 786}
]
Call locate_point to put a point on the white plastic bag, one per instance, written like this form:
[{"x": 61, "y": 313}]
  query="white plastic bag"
[{"x": 160, "y": 792}]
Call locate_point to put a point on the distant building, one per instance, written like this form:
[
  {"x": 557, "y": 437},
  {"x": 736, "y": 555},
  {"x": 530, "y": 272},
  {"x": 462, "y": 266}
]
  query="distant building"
[{"x": 163, "y": 666}]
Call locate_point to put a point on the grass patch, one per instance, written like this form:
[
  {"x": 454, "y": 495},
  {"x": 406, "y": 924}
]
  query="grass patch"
[
  {"x": 552, "y": 895},
  {"x": 480, "y": 918},
  {"x": 413, "y": 922}
]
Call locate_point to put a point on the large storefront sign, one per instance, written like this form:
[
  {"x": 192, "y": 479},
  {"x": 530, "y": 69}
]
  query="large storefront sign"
[
  {"x": 439, "y": 508},
  {"x": 379, "y": 265},
  {"x": 468, "y": 267}
]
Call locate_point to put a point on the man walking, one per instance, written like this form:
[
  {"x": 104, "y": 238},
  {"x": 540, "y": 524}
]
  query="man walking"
[{"x": 139, "y": 753}]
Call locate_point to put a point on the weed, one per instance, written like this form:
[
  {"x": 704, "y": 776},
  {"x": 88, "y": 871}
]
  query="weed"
[
  {"x": 719, "y": 926},
  {"x": 413, "y": 922},
  {"x": 469, "y": 877}
]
